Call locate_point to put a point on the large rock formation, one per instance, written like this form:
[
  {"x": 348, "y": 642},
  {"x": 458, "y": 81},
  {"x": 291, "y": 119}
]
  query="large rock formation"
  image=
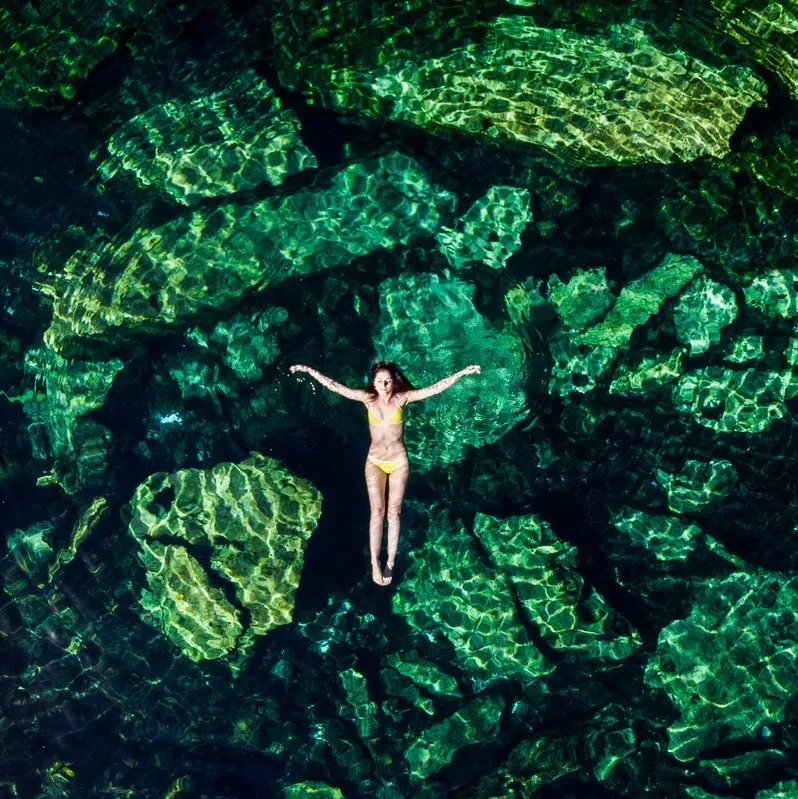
[
  {"x": 730, "y": 667},
  {"x": 226, "y": 141},
  {"x": 615, "y": 98},
  {"x": 255, "y": 517},
  {"x": 214, "y": 257}
]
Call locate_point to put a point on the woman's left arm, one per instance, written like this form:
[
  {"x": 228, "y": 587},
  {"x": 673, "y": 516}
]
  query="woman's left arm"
[{"x": 416, "y": 394}]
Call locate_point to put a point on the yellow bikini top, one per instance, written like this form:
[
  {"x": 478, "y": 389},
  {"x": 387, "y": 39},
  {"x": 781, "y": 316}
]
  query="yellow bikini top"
[{"x": 397, "y": 417}]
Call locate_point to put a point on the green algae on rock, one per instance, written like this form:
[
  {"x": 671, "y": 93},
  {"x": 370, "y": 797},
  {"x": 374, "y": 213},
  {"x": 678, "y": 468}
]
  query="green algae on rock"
[
  {"x": 614, "y": 98},
  {"x": 475, "y": 723},
  {"x": 255, "y": 516},
  {"x": 211, "y": 258},
  {"x": 730, "y": 667},
  {"x": 50, "y": 48},
  {"x": 543, "y": 570},
  {"x": 583, "y": 300},
  {"x": 774, "y": 293},
  {"x": 218, "y": 144},
  {"x": 449, "y": 588},
  {"x": 667, "y": 538},
  {"x": 704, "y": 309},
  {"x": 652, "y": 372},
  {"x": 428, "y": 324},
  {"x": 732, "y": 401},
  {"x": 697, "y": 484},
  {"x": 490, "y": 231}
]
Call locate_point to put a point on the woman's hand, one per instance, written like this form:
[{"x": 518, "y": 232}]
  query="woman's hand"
[
  {"x": 298, "y": 367},
  {"x": 474, "y": 369}
]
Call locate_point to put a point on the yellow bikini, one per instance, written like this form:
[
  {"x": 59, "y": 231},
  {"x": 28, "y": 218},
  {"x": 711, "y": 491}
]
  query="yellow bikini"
[{"x": 397, "y": 417}]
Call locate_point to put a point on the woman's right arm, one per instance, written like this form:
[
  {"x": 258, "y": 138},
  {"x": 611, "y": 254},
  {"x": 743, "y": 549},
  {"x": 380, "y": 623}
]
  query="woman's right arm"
[{"x": 327, "y": 382}]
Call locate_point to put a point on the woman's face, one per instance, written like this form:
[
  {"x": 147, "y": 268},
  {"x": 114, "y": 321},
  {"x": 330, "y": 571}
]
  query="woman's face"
[{"x": 383, "y": 382}]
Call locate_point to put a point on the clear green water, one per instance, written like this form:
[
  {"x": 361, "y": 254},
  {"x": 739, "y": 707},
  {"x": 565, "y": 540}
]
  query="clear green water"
[{"x": 595, "y": 588}]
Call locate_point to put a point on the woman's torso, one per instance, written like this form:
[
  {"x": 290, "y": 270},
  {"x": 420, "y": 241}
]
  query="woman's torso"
[{"x": 386, "y": 425}]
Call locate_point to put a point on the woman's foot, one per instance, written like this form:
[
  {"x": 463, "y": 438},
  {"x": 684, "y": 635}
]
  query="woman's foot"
[
  {"x": 376, "y": 574},
  {"x": 387, "y": 575}
]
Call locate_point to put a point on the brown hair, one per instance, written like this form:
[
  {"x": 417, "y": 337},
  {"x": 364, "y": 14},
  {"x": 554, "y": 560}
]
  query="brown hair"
[{"x": 400, "y": 382}]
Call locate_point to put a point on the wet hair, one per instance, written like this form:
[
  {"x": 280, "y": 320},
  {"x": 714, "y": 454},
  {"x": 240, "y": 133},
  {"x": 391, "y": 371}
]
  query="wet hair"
[{"x": 400, "y": 382}]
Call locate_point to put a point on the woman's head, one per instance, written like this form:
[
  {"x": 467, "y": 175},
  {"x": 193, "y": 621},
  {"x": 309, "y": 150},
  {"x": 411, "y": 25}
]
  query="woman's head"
[{"x": 386, "y": 379}]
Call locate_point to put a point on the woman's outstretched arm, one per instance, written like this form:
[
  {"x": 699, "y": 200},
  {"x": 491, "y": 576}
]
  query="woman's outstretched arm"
[
  {"x": 327, "y": 382},
  {"x": 436, "y": 388}
]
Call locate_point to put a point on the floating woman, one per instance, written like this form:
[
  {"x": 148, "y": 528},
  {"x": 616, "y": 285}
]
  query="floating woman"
[{"x": 385, "y": 398}]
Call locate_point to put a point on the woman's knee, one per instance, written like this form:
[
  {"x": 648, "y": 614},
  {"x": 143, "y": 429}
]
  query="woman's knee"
[
  {"x": 378, "y": 513},
  {"x": 394, "y": 511}
]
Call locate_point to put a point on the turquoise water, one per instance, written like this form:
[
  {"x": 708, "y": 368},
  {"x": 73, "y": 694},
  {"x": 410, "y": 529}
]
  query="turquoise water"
[{"x": 595, "y": 586}]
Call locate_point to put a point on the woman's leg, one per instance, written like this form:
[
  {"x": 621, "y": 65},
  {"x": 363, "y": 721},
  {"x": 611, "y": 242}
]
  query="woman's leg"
[
  {"x": 375, "y": 484},
  {"x": 396, "y": 493}
]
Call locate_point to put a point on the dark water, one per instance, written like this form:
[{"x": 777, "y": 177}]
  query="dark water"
[{"x": 595, "y": 588}]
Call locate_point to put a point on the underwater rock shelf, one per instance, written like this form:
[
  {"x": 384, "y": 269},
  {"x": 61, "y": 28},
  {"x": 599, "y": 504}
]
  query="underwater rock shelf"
[{"x": 595, "y": 588}]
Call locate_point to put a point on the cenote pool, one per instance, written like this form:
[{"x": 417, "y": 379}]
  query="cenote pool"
[{"x": 595, "y": 592}]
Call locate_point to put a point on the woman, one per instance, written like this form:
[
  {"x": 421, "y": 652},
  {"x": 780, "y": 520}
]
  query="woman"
[{"x": 388, "y": 393}]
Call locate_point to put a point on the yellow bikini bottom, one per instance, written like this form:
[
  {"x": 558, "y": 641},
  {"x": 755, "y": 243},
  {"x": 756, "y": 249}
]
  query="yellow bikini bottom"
[{"x": 387, "y": 466}]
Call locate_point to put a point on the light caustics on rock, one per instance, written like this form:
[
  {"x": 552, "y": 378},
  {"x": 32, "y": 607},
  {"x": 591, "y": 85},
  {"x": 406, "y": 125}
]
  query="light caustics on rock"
[{"x": 255, "y": 516}]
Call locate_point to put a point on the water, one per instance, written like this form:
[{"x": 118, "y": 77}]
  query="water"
[{"x": 594, "y": 592}]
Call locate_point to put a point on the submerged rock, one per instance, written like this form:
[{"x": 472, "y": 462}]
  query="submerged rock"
[
  {"x": 745, "y": 348},
  {"x": 730, "y": 667},
  {"x": 311, "y": 790},
  {"x": 581, "y": 359},
  {"x": 703, "y": 310},
  {"x": 640, "y": 300},
  {"x": 732, "y": 401},
  {"x": 543, "y": 571},
  {"x": 72, "y": 389},
  {"x": 617, "y": 97},
  {"x": 652, "y": 372},
  {"x": 424, "y": 673},
  {"x": 583, "y": 300},
  {"x": 50, "y": 48},
  {"x": 490, "y": 231},
  {"x": 428, "y": 324},
  {"x": 697, "y": 484},
  {"x": 475, "y": 723},
  {"x": 666, "y": 538},
  {"x": 224, "y": 142},
  {"x": 774, "y": 293},
  {"x": 255, "y": 517},
  {"x": 449, "y": 588},
  {"x": 768, "y": 30},
  {"x": 213, "y": 257},
  {"x": 771, "y": 161}
]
